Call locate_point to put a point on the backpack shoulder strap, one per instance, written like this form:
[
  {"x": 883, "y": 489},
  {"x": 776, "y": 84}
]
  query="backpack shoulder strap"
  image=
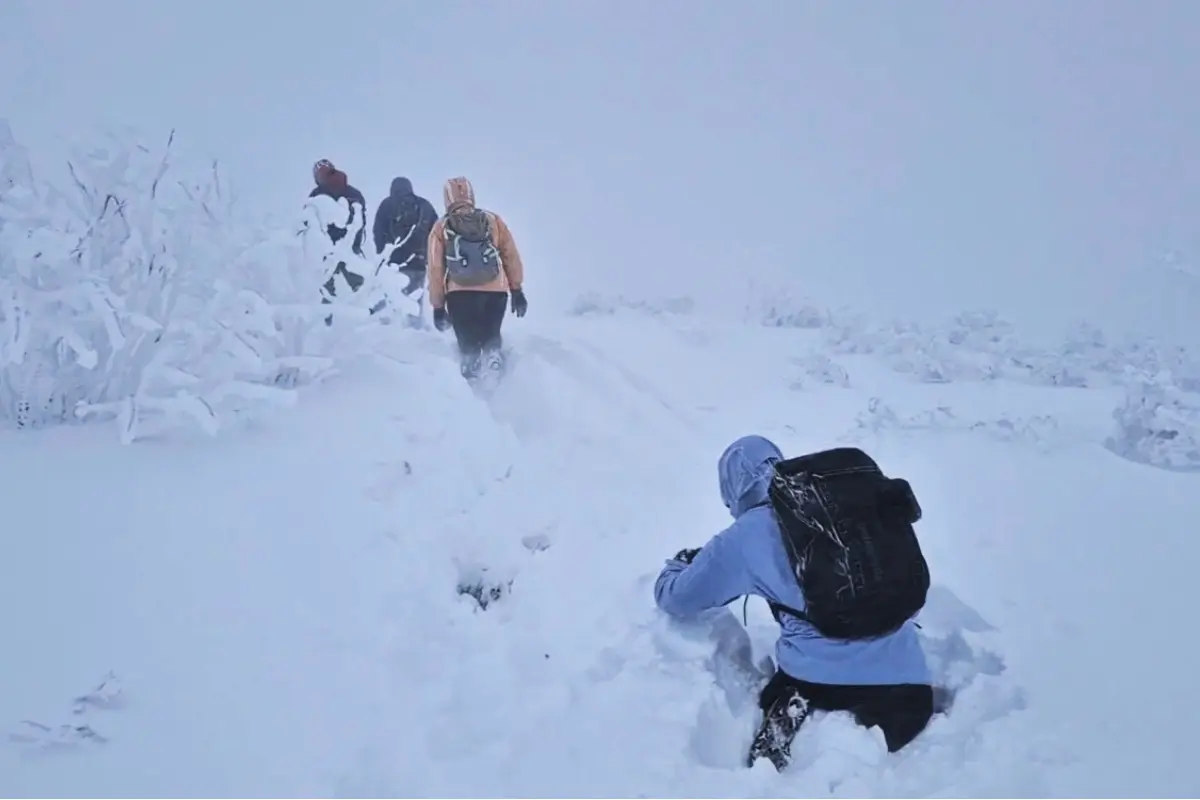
[{"x": 779, "y": 609}]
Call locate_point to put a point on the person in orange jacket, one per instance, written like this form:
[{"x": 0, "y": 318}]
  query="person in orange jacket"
[{"x": 474, "y": 268}]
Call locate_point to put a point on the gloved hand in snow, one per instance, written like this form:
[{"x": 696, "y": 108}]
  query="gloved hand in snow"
[
  {"x": 519, "y": 304},
  {"x": 687, "y": 555},
  {"x": 441, "y": 320}
]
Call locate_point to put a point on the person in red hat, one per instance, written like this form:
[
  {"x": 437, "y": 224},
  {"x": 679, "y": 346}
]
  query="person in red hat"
[{"x": 332, "y": 182}]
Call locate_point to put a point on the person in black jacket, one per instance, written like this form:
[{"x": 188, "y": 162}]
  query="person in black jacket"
[
  {"x": 402, "y": 222},
  {"x": 332, "y": 182}
]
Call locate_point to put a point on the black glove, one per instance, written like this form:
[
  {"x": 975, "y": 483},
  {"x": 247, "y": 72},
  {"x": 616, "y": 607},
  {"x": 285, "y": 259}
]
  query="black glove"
[
  {"x": 687, "y": 555},
  {"x": 519, "y": 304},
  {"x": 441, "y": 320}
]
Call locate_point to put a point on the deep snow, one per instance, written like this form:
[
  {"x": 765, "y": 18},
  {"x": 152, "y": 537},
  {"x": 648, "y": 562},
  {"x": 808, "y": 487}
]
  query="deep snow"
[{"x": 279, "y": 606}]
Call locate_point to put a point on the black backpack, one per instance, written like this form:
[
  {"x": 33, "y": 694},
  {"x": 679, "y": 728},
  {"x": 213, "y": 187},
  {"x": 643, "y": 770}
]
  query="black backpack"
[
  {"x": 408, "y": 216},
  {"x": 848, "y": 532}
]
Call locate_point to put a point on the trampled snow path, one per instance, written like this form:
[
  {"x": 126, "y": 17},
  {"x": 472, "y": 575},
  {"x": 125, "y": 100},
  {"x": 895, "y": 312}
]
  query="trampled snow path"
[{"x": 279, "y": 608}]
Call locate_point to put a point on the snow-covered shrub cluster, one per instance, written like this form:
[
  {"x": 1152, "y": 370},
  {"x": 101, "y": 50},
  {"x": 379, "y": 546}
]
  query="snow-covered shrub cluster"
[
  {"x": 1109, "y": 361},
  {"x": 818, "y": 369},
  {"x": 138, "y": 290},
  {"x": 781, "y": 306},
  {"x": 979, "y": 346},
  {"x": 596, "y": 304},
  {"x": 1158, "y": 424},
  {"x": 972, "y": 346},
  {"x": 1040, "y": 430}
]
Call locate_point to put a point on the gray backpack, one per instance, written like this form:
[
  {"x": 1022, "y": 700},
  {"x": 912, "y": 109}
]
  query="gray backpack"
[{"x": 471, "y": 257}]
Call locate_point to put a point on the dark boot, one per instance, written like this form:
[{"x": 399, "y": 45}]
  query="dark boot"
[
  {"x": 493, "y": 360},
  {"x": 781, "y": 720},
  {"x": 470, "y": 365}
]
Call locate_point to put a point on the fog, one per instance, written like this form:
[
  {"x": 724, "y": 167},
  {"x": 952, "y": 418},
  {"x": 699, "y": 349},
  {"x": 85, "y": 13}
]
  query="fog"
[{"x": 1034, "y": 155}]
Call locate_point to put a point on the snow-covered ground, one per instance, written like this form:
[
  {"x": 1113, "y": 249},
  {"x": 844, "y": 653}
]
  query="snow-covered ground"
[{"x": 286, "y": 608}]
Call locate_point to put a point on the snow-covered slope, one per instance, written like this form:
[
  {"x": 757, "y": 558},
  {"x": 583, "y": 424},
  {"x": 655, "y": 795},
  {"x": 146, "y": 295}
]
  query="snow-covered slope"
[{"x": 288, "y": 609}]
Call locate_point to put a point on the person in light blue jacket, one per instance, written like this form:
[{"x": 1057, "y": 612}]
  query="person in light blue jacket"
[{"x": 884, "y": 682}]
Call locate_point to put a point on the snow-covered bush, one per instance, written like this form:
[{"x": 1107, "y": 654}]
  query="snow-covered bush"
[
  {"x": 15, "y": 167},
  {"x": 139, "y": 291},
  {"x": 783, "y": 307},
  {"x": 880, "y": 418},
  {"x": 380, "y": 289},
  {"x": 818, "y": 369},
  {"x": 981, "y": 346},
  {"x": 1158, "y": 424},
  {"x": 977, "y": 345},
  {"x": 954, "y": 352}
]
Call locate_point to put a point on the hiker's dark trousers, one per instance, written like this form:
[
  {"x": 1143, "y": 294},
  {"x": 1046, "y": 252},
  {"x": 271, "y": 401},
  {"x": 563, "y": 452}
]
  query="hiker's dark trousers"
[
  {"x": 476, "y": 317},
  {"x": 901, "y": 711},
  {"x": 416, "y": 280},
  {"x": 353, "y": 278}
]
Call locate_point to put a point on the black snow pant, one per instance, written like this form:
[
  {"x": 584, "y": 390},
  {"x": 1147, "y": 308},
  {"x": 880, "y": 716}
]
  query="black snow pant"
[
  {"x": 900, "y": 710},
  {"x": 476, "y": 317},
  {"x": 353, "y": 278},
  {"x": 416, "y": 280}
]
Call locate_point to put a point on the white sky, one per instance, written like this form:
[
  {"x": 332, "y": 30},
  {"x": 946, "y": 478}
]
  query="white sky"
[{"x": 1032, "y": 154}]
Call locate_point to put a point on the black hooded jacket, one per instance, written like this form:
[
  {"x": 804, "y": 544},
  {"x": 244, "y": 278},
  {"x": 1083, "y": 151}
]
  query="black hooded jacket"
[{"x": 403, "y": 213}]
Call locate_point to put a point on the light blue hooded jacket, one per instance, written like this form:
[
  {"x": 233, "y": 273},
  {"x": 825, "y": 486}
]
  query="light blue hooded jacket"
[{"x": 748, "y": 557}]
